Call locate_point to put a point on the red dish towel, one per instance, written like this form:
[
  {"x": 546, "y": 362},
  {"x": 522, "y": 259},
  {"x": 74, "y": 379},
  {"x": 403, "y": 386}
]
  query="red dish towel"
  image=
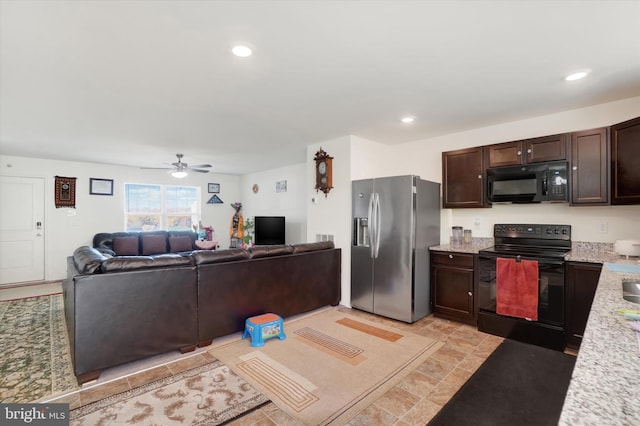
[{"x": 517, "y": 288}]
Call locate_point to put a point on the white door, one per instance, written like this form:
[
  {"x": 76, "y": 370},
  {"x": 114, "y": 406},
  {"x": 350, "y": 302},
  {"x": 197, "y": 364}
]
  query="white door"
[{"x": 21, "y": 229}]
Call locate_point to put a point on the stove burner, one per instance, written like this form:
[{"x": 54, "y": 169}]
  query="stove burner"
[{"x": 532, "y": 241}]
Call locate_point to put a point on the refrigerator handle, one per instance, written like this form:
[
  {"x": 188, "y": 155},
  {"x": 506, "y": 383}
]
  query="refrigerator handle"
[
  {"x": 378, "y": 223},
  {"x": 372, "y": 226}
]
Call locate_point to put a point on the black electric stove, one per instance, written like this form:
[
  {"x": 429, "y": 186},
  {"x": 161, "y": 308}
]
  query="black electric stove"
[{"x": 547, "y": 245}]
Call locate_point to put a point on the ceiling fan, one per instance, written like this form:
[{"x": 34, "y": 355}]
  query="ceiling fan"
[{"x": 180, "y": 169}]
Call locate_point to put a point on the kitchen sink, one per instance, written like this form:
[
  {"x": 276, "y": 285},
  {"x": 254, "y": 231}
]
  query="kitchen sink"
[{"x": 631, "y": 291}]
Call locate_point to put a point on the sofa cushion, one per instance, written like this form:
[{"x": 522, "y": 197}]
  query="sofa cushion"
[
  {"x": 266, "y": 251},
  {"x": 203, "y": 257},
  {"x": 305, "y": 247},
  {"x": 153, "y": 244},
  {"x": 128, "y": 263},
  {"x": 125, "y": 246},
  {"x": 178, "y": 244},
  {"x": 87, "y": 260}
]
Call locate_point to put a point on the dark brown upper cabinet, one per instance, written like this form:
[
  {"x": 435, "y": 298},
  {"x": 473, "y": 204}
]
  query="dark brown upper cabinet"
[
  {"x": 590, "y": 167},
  {"x": 625, "y": 162},
  {"x": 535, "y": 150},
  {"x": 463, "y": 178}
]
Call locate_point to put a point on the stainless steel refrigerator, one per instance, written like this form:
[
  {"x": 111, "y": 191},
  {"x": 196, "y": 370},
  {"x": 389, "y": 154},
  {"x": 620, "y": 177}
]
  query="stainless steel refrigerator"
[{"x": 395, "y": 221}]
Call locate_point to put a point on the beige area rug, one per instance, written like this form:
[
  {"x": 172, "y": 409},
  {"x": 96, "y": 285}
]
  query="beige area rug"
[
  {"x": 331, "y": 365},
  {"x": 208, "y": 395}
]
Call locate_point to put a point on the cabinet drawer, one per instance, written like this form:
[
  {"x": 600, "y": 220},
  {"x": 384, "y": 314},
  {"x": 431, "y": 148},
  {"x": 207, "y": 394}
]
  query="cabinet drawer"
[{"x": 452, "y": 259}]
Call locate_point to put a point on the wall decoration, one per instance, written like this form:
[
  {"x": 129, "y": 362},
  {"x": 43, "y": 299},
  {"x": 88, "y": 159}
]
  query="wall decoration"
[
  {"x": 255, "y": 188},
  {"x": 65, "y": 192},
  {"x": 323, "y": 171},
  {"x": 214, "y": 188},
  {"x": 236, "y": 230},
  {"x": 215, "y": 200},
  {"x": 100, "y": 186},
  {"x": 281, "y": 186}
]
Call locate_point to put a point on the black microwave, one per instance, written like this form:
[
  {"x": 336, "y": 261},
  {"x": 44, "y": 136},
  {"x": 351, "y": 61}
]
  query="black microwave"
[{"x": 531, "y": 183}]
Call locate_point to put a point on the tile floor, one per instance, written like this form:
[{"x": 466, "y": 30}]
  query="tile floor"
[
  {"x": 419, "y": 397},
  {"x": 414, "y": 401}
]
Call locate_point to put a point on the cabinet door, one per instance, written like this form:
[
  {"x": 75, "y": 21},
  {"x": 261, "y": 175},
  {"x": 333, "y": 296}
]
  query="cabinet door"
[
  {"x": 548, "y": 148},
  {"x": 625, "y": 162},
  {"x": 452, "y": 285},
  {"x": 505, "y": 154},
  {"x": 589, "y": 167},
  {"x": 581, "y": 281},
  {"x": 453, "y": 292},
  {"x": 463, "y": 178}
]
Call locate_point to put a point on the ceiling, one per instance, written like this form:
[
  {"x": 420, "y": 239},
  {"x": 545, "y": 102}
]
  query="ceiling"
[{"x": 135, "y": 82}]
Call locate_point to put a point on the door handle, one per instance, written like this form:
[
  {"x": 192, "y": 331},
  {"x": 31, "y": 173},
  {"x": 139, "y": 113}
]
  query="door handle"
[
  {"x": 372, "y": 226},
  {"x": 378, "y": 220},
  {"x": 38, "y": 235}
]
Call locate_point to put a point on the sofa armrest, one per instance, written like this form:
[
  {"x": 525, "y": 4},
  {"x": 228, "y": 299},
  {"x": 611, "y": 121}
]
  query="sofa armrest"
[{"x": 88, "y": 260}]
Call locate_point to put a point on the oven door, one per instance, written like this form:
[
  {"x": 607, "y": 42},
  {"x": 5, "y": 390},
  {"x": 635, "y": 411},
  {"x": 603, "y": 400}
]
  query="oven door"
[{"x": 550, "y": 287}]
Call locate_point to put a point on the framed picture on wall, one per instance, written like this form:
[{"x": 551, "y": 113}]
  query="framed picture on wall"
[
  {"x": 281, "y": 186},
  {"x": 214, "y": 188},
  {"x": 100, "y": 186}
]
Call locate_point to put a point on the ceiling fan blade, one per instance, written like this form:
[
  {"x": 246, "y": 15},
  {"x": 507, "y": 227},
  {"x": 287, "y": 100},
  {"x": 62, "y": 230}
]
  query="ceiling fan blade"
[
  {"x": 198, "y": 170},
  {"x": 157, "y": 168},
  {"x": 202, "y": 165}
]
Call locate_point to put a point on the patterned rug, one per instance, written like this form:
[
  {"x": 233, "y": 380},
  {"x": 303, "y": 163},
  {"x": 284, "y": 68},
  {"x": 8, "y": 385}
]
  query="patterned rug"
[
  {"x": 36, "y": 365},
  {"x": 36, "y": 362},
  {"x": 330, "y": 366},
  {"x": 207, "y": 395}
]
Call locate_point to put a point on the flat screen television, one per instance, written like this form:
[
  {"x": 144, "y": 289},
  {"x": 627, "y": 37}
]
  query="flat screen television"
[{"x": 268, "y": 230}]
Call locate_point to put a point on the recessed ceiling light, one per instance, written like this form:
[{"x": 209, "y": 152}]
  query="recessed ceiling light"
[
  {"x": 241, "y": 50},
  {"x": 407, "y": 119},
  {"x": 576, "y": 75}
]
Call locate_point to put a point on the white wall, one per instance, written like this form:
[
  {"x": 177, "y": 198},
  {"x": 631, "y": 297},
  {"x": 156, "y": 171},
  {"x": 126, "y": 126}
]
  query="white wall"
[
  {"x": 332, "y": 214},
  {"x": 267, "y": 202},
  {"x": 424, "y": 158},
  {"x": 354, "y": 158},
  {"x": 67, "y": 229}
]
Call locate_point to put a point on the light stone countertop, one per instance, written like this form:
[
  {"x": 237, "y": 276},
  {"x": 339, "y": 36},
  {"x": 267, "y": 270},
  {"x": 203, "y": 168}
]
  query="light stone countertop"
[
  {"x": 476, "y": 245},
  {"x": 606, "y": 378}
]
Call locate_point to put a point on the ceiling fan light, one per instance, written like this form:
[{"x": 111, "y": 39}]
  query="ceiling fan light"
[{"x": 179, "y": 174}]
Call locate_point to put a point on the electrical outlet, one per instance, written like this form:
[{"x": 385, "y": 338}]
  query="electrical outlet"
[{"x": 604, "y": 227}]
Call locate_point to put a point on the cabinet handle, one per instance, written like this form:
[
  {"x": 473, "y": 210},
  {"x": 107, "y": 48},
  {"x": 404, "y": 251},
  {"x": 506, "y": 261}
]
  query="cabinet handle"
[
  {"x": 479, "y": 176},
  {"x": 519, "y": 152},
  {"x": 450, "y": 256},
  {"x": 469, "y": 293},
  {"x": 574, "y": 168},
  {"x": 529, "y": 151}
]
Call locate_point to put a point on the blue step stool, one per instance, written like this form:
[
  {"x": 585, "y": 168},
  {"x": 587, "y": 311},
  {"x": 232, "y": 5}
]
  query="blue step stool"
[{"x": 263, "y": 327}]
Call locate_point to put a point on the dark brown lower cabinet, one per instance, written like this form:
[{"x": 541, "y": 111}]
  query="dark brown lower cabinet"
[
  {"x": 452, "y": 286},
  {"x": 581, "y": 283}
]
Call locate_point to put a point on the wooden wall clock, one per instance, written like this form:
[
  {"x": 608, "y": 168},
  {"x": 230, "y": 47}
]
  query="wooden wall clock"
[{"x": 323, "y": 172}]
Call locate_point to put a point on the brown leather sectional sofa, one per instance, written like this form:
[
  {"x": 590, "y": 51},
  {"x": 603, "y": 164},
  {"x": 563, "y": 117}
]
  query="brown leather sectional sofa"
[{"x": 121, "y": 308}]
